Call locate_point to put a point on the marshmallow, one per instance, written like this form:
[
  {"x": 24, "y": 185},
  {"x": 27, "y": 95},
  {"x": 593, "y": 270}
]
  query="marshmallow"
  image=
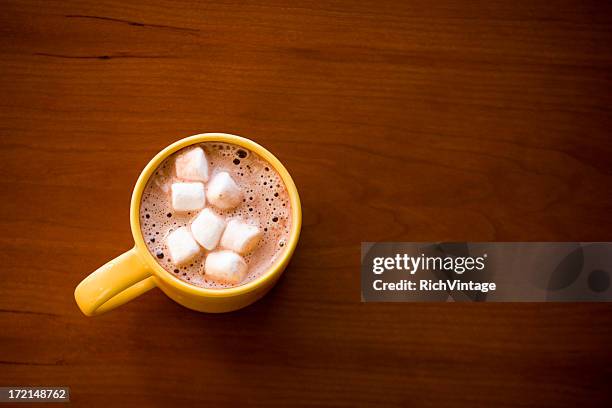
[
  {"x": 182, "y": 246},
  {"x": 207, "y": 228},
  {"x": 225, "y": 266},
  {"x": 240, "y": 237},
  {"x": 188, "y": 196},
  {"x": 192, "y": 165},
  {"x": 223, "y": 192}
]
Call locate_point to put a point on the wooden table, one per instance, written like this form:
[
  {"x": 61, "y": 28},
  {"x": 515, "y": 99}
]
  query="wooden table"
[{"x": 401, "y": 120}]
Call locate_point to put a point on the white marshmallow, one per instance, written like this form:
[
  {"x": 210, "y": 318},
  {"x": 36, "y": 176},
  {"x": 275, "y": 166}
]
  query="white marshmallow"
[
  {"x": 182, "y": 246},
  {"x": 192, "y": 165},
  {"x": 223, "y": 192},
  {"x": 188, "y": 196},
  {"x": 207, "y": 228},
  {"x": 240, "y": 237},
  {"x": 225, "y": 266}
]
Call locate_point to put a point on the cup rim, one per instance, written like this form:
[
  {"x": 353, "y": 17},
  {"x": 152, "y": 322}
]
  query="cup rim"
[{"x": 275, "y": 269}]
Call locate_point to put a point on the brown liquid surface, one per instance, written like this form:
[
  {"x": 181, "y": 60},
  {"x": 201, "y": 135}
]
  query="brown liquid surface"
[{"x": 266, "y": 204}]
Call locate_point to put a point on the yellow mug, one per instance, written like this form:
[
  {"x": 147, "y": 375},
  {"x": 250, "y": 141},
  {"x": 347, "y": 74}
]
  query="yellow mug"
[{"x": 136, "y": 271}]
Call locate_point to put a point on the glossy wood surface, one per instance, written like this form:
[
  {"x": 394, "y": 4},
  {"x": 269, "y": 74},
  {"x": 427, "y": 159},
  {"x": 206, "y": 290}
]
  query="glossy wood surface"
[{"x": 399, "y": 121}]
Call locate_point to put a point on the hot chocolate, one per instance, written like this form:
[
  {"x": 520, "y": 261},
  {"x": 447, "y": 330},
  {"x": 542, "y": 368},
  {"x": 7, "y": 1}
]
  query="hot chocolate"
[{"x": 215, "y": 215}]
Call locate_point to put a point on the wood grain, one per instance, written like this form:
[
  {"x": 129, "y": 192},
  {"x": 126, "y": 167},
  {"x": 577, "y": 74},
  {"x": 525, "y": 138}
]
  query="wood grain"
[{"x": 399, "y": 120}]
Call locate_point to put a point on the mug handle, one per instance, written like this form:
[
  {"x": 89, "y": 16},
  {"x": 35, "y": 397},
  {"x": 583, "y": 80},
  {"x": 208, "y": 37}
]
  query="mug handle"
[{"x": 113, "y": 284}]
